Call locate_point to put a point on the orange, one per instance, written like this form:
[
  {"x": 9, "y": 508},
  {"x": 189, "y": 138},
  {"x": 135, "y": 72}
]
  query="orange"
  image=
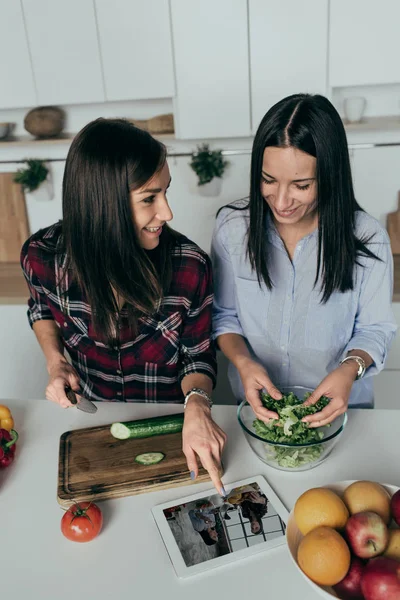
[
  {"x": 324, "y": 556},
  {"x": 317, "y": 507},
  {"x": 363, "y": 496}
]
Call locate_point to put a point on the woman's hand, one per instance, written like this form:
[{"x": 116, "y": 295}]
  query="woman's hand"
[
  {"x": 203, "y": 438},
  {"x": 61, "y": 375},
  {"x": 255, "y": 378},
  {"x": 337, "y": 386}
]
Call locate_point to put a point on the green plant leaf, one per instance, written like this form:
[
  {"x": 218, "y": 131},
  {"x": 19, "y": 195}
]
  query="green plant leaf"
[
  {"x": 207, "y": 163},
  {"x": 33, "y": 175}
]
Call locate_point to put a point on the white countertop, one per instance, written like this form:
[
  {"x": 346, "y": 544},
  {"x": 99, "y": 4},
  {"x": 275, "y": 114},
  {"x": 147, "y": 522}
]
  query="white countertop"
[{"x": 128, "y": 559}]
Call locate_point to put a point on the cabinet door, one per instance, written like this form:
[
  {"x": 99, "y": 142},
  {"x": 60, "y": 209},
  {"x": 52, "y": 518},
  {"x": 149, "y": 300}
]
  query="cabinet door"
[
  {"x": 376, "y": 180},
  {"x": 288, "y": 51},
  {"x": 212, "y": 72},
  {"x": 64, "y": 48},
  {"x": 136, "y": 48},
  {"x": 17, "y": 88},
  {"x": 364, "y": 42}
]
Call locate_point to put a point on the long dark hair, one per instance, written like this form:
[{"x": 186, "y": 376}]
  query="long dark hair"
[
  {"x": 107, "y": 159},
  {"x": 311, "y": 124}
]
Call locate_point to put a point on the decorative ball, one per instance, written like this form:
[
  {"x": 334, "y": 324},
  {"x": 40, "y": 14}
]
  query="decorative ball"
[{"x": 45, "y": 121}]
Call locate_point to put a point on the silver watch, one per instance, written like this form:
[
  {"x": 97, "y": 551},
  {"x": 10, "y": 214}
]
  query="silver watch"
[
  {"x": 361, "y": 364},
  {"x": 197, "y": 392}
]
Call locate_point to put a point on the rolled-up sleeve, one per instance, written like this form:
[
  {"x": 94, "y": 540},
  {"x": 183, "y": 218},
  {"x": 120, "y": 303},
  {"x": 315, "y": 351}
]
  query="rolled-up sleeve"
[
  {"x": 225, "y": 317},
  {"x": 38, "y": 308},
  {"x": 197, "y": 350},
  {"x": 375, "y": 325}
]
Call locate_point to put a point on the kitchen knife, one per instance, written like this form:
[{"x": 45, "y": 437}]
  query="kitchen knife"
[{"x": 84, "y": 404}]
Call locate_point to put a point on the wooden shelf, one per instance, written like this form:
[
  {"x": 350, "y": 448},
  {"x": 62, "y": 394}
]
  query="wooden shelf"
[
  {"x": 369, "y": 124},
  {"x": 27, "y": 140},
  {"x": 13, "y": 287}
]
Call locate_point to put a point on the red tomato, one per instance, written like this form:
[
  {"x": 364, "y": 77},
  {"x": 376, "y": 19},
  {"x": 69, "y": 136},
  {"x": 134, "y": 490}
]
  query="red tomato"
[{"x": 82, "y": 522}]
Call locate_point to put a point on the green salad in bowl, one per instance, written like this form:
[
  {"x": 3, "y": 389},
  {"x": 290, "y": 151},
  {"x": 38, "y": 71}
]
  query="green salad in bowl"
[{"x": 288, "y": 443}]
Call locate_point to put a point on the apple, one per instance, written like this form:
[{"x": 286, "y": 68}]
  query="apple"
[
  {"x": 381, "y": 579},
  {"x": 395, "y": 507},
  {"x": 366, "y": 534},
  {"x": 350, "y": 586}
]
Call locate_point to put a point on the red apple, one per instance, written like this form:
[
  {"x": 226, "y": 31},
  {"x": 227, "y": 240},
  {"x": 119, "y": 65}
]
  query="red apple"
[
  {"x": 395, "y": 507},
  {"x": 381, "y": 579},
  {"x": 367, "y": 534},
  {"x": 350, "y": 586}
]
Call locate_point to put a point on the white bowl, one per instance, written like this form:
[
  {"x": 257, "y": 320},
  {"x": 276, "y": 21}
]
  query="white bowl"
[
  {"x": 294, "y": 537},
  {"x": 6, "y": 130}
]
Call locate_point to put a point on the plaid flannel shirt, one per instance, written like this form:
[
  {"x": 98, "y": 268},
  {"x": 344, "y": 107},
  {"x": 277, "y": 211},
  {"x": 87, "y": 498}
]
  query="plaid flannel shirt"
[{"x": 170, "y": 344}]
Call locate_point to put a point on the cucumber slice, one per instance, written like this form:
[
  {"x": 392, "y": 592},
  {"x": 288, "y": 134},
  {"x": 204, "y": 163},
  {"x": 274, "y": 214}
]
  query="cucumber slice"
[{"x": 149, "y": 458}]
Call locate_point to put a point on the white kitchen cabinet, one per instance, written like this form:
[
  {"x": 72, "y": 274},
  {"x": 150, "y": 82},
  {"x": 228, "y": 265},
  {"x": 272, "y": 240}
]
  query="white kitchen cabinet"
[
  {"x": 288, "y": 51},
  {"x": 23, "y": 366},
  {"x": 364, "y": 42},
  {"x": 136, "y": 49},
  {"x": 393, "y": 358},
  {"x": 386, "y": 386},
  {"x": 17, "y": 88},
  {"x": 376, "y": 180},
  {"x": 211, "y": 65},
  {"x": 63, "y": 42}
]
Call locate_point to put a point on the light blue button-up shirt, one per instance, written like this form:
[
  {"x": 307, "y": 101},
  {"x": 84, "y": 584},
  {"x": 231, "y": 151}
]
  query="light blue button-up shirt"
[{"x": 295, "y": 337}]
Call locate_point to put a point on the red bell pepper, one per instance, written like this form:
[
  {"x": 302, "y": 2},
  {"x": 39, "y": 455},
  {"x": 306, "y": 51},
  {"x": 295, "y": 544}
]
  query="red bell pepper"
[{"x": 7, "y": 447}]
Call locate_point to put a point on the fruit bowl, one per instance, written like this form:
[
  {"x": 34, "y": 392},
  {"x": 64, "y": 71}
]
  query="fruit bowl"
[
  {"x": 294, "y": 537},
  {"x": 286, "y": 456}
]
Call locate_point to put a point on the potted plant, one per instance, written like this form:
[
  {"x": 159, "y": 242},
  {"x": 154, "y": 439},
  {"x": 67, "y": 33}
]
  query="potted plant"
[
  {"x": 35, "y": 179},
  {"x": 209, "y": 167}
]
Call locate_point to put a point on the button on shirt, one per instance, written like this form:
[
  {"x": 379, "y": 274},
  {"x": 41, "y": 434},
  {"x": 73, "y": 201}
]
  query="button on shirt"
[
  {"x": 145, "y": 368},
  {"x": 295, "y": 337}
]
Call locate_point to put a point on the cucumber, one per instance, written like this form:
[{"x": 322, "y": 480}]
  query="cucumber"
[
  {"x": 149, "y": 458},
  {"x": 147, "y": 427}
]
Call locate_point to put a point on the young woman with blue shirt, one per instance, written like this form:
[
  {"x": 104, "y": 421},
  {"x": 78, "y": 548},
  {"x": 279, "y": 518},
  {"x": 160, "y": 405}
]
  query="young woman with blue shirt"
[{"x": 303, "y": 276}]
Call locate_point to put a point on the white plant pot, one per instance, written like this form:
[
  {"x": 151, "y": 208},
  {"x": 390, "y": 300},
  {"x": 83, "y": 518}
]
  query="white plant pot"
[
  {"x": 212, "y": 188},
  {"x": 45, "y": 191}
]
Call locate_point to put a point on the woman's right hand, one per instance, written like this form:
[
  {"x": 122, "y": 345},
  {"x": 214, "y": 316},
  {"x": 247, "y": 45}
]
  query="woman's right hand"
[
  {"x": 255, "y": 378},
  {"x": 61, "y": 375}
]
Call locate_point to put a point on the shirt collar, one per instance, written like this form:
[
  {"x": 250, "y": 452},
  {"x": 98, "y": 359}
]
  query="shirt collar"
[{"x": 275, "y": 238}]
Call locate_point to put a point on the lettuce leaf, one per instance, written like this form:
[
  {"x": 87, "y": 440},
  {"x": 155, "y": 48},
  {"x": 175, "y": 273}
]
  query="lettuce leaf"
[{"x": 289, "y": 429}]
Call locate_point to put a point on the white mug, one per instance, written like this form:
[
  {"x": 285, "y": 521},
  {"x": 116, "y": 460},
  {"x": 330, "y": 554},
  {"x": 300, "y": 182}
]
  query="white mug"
[{"x": 354, "y": 108}]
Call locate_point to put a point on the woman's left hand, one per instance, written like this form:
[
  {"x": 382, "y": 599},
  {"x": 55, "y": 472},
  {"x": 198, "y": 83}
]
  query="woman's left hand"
[
  {"x": 203, "y": 438},
  {"x": 337, "y": 386}
]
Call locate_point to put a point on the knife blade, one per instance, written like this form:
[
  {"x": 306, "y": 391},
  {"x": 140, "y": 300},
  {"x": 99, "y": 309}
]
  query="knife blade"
[{"x": 84, "y": 404}]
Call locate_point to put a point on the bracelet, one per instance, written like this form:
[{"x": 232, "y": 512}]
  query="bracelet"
[
  {"x": 361, "y": 364},
  {"x": 198, "y": 392}
]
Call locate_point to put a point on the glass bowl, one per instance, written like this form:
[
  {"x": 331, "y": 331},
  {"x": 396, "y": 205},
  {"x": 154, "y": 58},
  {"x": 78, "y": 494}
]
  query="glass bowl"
[{"x": 286, "y": 456}]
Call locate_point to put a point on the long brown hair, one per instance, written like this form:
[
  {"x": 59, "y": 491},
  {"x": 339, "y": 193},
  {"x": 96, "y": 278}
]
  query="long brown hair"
[{"x": 107, "y": 160}]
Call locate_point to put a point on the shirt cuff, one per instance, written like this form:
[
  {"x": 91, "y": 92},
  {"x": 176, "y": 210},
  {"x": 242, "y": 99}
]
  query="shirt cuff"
[
  {"x": 39, "y": 316},
  {"x": 199, "y": 367},
  {"x": 377, "y": 352},
  {"x": 229, "y": 325}
]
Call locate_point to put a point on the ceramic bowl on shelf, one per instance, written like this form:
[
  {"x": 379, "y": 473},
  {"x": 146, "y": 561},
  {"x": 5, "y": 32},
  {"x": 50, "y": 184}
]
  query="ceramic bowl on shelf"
[
  {"x": 294, "y": 537},
  {"x": 6, "y": 130},
  {"x": 287, "y": 456}
]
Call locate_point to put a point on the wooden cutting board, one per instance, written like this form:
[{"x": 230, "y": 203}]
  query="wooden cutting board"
[
  {"x": 93, "y": 465},
  {"x": 393, "y": 227},
  {"x": 14, "y": 227}
]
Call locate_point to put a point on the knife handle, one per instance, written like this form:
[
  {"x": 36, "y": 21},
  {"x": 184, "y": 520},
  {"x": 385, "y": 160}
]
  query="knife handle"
[{"x": 71, "y": 395}]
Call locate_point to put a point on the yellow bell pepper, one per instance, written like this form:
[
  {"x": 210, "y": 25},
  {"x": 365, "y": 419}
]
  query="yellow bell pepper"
[{"x": 6, "y": 420}]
